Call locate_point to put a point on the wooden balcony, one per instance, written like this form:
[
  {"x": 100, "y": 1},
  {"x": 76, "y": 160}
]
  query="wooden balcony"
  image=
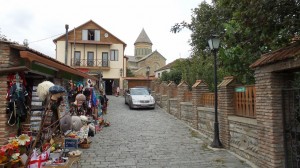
[{"x": 88, "y": 63}]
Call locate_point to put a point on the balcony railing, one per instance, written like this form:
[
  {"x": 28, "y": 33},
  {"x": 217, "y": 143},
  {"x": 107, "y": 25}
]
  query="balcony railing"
[{"x": 90, "y": 63}]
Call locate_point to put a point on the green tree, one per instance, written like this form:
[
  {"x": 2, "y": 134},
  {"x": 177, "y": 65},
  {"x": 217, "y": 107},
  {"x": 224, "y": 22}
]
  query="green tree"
[
  {"x": 129, "y": 73},
  {"x": 165, "y": 76},
  {"x": 175, "y": 76},
  {"x": 247, "y": 29}
]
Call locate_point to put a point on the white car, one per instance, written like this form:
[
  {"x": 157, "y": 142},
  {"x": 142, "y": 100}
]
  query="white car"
[{"x": 139, "y": 98}]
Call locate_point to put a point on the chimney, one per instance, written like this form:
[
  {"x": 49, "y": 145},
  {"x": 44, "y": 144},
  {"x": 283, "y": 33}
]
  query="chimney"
[{"x": 66, "y": 50}]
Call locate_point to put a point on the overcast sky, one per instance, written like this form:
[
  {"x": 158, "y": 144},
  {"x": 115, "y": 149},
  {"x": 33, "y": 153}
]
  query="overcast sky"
[{"x": 41, "y": 21}]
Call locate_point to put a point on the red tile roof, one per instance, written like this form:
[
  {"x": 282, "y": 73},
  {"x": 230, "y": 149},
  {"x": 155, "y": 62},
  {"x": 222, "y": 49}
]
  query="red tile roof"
[
  {"x": 169, "y": 65},
  {"x": 285, "y": 53}
]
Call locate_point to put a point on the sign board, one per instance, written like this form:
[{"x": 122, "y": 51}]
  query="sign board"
[
  {"x": 240, "y": 89},
  {"x": 71, "y": 143}
]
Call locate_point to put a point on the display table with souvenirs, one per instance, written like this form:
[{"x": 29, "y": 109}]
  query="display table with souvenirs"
[
  {"x": 71, "y": 161},
  {"x": 63, "y": 128}
]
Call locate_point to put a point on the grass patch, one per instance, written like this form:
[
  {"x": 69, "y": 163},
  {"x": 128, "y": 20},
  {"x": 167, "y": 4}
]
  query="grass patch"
[
  {"x": 194, "y": 133},
  {"x": 220, "y": 160},
  {"x": 204, "y": 146},
  {"x": 198, "y": 136}
]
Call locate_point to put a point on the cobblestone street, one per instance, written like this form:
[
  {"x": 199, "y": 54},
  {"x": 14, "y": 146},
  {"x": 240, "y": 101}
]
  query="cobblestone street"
[{"x": 151, "y": 138}]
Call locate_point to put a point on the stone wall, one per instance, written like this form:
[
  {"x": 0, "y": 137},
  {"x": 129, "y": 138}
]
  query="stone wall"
[
  {"x": 164, "y": 102},
  {"x": 188, "y": 115},
  {"x": 239, "y": 134},
  {"x": 206, "y": 121},
  {"x": 244, "y": 137},
  {"x": 260, "y": 140},
  {"x": 173, "y": 106}
]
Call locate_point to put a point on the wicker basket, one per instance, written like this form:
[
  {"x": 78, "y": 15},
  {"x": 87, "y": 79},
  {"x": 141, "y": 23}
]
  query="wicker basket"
[
  {"x": 85, "y": 145},
  {"x": 74, "y": 155}
]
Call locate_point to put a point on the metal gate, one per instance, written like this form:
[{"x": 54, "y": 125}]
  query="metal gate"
[{"x": 291, "y": 123}]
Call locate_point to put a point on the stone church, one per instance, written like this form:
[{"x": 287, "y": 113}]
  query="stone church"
[{"x": 144, "y": 57}]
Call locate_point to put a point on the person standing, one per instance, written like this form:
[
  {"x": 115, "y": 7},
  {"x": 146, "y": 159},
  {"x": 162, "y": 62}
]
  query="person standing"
[
  {"x": 104, "y": 102},
  {"x": 118, "y": 91}
]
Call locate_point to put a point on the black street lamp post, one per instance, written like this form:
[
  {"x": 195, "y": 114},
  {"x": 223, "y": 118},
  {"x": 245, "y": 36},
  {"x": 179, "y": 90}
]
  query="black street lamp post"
[
  {"x": 214, "y": 43},
  {"x": 148, "y": 72}
]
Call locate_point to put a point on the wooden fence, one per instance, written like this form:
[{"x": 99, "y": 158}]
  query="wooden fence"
[
  {"x": 244, "y": 98},
  {"x": 207, "y": 100},
  {"x": 173, "y": 93},
  {"x": 188, "y": 96}
]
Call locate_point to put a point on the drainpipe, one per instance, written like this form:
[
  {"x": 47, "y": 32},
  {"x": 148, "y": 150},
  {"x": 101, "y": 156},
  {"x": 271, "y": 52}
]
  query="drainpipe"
[{"x": 66, "y": 50}]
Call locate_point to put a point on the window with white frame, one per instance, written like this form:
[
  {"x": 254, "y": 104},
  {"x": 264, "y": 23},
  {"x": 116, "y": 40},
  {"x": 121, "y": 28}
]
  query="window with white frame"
[
  {"x": 114, "y": 55},
  {"x": 90, "y": 34}
]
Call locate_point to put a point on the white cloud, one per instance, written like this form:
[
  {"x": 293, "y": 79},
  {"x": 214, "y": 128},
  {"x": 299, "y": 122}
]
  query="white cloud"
[{"x": 36, "y": 20}]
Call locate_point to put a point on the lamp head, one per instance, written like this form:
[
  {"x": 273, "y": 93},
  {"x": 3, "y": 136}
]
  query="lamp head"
[
  {"x": 214, "y": 42},
  {"x": 121, "y": 72}
]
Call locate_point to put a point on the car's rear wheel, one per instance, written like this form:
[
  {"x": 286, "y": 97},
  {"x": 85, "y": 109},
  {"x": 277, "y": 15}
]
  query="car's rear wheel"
[{"x": 130, "y": 105}]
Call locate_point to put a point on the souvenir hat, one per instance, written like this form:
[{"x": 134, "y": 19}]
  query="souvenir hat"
[
  {"x": 83, "y": 118},
  {"x": 56, "y": 89},
  {"x": 80, "y": 97},
  {"x": 43, "y": 89}
]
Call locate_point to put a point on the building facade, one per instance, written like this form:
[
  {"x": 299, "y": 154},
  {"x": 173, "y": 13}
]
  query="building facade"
[
  {"x": 144, "y": 57},
  {"x": 92, "y": 49},
  {"x": 166, "y": 68}
]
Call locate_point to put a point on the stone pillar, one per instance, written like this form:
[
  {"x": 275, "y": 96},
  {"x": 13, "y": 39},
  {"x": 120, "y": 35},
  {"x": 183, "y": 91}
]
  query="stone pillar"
[
  {"x": 7, "y": 59},
  {"x": 172, "y": 87},
  {"x": 181, "y": 89},
  {"x": 152, "y": 85},
  {"x": 198, "y": 89},
  {"x": 3, "y": 116},
  {"x": 225, "y": 108},
  {"x": 269, "y": 117},
  {"x": 163, "y": 95},
  {"x": 165, "y": 86},
  {"x": 162, "y": 87},
  {"x": 157, "y": 92},
  {"x": 156, "y": 87}
]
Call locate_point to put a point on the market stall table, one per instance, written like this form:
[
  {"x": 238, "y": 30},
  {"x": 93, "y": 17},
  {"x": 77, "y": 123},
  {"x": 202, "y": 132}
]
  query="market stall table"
[
  {"x": 69, "y": 163},
  {"x": 8, "y": 164}
]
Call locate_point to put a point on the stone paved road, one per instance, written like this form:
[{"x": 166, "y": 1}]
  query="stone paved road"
[{"x": 151, "y": 139}]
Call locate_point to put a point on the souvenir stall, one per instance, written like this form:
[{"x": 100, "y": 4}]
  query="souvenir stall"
[
  {"x": 43, "y": 128},
  {"x": 56, "y": 131}
]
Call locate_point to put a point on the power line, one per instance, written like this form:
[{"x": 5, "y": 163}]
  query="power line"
[{"x": 46, "y": 38}]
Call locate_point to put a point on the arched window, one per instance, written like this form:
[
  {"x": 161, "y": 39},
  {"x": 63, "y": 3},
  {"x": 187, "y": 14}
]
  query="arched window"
[{"x": 156, "y": 66}]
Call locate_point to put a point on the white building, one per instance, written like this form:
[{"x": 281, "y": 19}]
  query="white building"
[{"x": 94, "y": 50}]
